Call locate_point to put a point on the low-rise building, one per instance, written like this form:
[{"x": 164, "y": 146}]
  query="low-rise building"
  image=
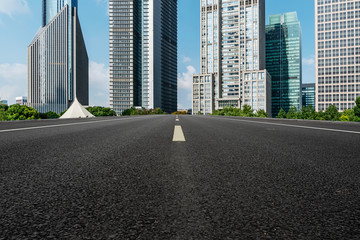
[
  {"x": 21, "y": 100},
  {"x": 203, "y": 91}
]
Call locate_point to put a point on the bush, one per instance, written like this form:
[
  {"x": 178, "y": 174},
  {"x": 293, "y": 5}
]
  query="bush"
[
  {"x": 101, "y": 111},
  {"x": 292, "y": 114},
  {"x": 332, "y": 113},
  {"x": 281, "y": 114},
  {"x": 133, "y": 111},
  {"x": 49, "y": 115},
  {"x": 262, "y": 114},
  {"x": 246, "y": 111},
  {"x": 308, "y": 113},
  {"x": 17, "y": 112},
  {"x": 344, "y": 118}
]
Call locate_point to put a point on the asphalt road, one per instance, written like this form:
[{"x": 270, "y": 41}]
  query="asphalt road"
[{"x": 232, "y": 178}]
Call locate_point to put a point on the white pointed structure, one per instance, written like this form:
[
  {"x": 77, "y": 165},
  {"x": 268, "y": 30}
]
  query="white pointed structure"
[{"x": 77, "y": 111}]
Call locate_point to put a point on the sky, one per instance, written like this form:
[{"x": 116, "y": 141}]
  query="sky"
[{"x": 21, "y": 19}]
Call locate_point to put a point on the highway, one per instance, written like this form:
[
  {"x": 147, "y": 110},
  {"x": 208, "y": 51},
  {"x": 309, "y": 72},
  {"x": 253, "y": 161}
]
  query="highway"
[{"x": 191, "y": 177}]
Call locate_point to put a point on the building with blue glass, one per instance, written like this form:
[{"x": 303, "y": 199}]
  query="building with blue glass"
[
  {"x": 284, "y": 61},
  {"x": 57, "y": 59},
  {"x": 308, "y": 95},
  {"x": 143, "y": 54}
]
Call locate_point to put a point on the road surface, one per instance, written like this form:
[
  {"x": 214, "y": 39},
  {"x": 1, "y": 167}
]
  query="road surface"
[{"x": 195, "y": 177}]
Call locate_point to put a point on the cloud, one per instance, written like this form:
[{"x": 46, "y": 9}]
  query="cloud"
[
  {"x": 185, "y": 79},
  {"x": 99, "y": 84},
  {"x": 13, "y": 7},
  {"x": 13, "y": 81},
  {"x": 186, "y": 59},
  {"x": 309, "y": 61}
]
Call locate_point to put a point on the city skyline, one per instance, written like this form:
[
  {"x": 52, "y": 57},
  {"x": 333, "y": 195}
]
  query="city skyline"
[{"x": 96, "y": 37}]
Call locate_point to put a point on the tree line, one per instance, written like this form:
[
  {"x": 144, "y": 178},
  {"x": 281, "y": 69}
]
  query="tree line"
[
  {"x": 307, "y": 113},
  {"x": 23, "y": 112},
  {"x": 246, "y": 111},
  {"x": 142, "y": 111},
  {"x": 330, "y": 114}
]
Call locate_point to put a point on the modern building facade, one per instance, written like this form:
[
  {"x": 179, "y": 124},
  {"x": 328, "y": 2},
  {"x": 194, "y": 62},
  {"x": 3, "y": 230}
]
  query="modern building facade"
[
  {"x": 58, "y": 68},
  {"x": 233, "y": 51},
  {"x": 284, "y": 61},
  {"x": 4, "y": 102},
  {"x": 143, "y": 54},
  {"x": 308, "y": 95},
  {"x": 337, "y": 31},
  {"x": 202, "y": 94},
  {"x": 21, "y": 100}
]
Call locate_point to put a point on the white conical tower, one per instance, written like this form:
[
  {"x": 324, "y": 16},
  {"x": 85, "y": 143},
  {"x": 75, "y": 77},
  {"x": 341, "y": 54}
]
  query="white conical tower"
[{"x": 77, "y": 111}]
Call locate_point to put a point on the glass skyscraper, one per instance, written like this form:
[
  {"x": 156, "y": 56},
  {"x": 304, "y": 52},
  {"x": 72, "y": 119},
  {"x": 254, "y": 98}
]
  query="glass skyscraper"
[
  {"x": 233, "y": 51},
  {"x": 308, "y": 95},
  {"x": 58, "y": 60},
  {"x": 284, "y": 61},
  {"x": 143, "y": 54},
  {"x": 337, "y": 49}
]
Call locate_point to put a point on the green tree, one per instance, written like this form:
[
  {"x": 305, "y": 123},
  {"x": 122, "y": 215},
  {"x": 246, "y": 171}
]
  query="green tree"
[
  {"x": 158, "y": 111},
  {"x": 247, "y": 111},
  {"x": 261, "y": 114},
  {"x": 3, "y": 109},
  {"x": 52, "y": 115},
  {"x": 320, "y": 115},
  {"x": 357, "y": 107},
  {"x": 142, "y": 111},
  {"x": 101, "y": 111},
  {"x": 2, "y": 114},
  {"x": 292, "y": 114},
  {"x": 344, "y": 118},
  {"x": 307, "y": 113},
  {"x": 332, "y": 113},
  {"x": 349, "y": 113},
  {"x": 17, "y": 112},
  {"x": 281, "y": 114}
]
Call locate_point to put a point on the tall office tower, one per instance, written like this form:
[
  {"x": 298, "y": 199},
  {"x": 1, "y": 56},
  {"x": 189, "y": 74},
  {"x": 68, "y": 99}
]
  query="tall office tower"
[
  {"x": 143, "y": 54},
  {"x": 57, "y": 59},
  {"x": 283, "y": 61},
  {"x": 308, "y": 94},
  {"x": 337, "y": 34},
  {"x": 233, "y": 50}
]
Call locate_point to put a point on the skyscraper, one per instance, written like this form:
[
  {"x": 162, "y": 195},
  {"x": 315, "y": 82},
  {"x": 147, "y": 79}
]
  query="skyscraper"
[
  {"x": 58, "y": 60},
  {"x": 308, "y": 94},
  {"x": 233, "y": 50},
  {"x": 284, "y": 61},
  {"x": 143, "y": 54},
  {"x": 337, "y": 31}
]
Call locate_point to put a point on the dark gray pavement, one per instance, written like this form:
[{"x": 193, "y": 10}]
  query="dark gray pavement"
[{"x": 233, "y": 178}]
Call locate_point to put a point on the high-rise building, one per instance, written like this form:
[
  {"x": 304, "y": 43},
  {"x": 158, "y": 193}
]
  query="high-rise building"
[
  {"x": 283, "y": 61},
  {"x": 337, "y": 31},
  {"x": 308, "y": 95},
  {"x": 143, "y": 54},
  {"x": 57, "y": 59},
  {"x": 233, "y": 50},
  {"x": 21, "y": 100}
]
